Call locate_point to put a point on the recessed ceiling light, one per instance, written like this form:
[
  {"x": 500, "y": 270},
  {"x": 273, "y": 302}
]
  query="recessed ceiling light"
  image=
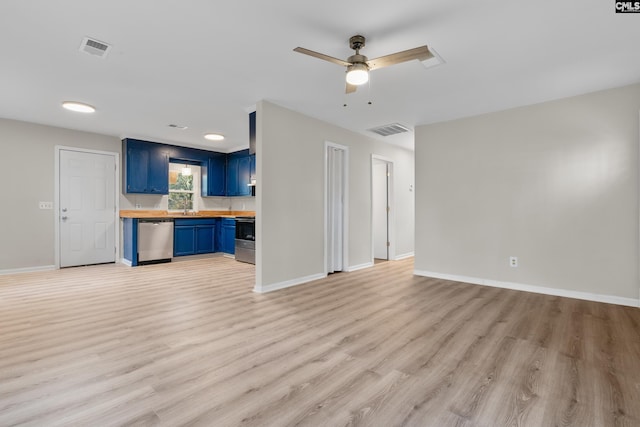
[
  {"x": 214, "y": 137},
  {"x": 78, "y": 107}
]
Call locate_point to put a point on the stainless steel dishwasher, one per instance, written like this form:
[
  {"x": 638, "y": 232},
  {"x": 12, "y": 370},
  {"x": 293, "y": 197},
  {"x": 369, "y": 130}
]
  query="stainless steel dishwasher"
[{"x": 155, "y": 240}]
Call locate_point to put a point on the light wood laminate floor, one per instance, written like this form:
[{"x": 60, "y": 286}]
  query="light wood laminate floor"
[{"x": 189, "y": 343}]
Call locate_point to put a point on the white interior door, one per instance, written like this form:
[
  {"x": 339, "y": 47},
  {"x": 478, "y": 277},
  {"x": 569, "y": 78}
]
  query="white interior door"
[
  {"x": 380, "y": 205},
  {"x": 335, "y": 209},
  {"x": 87, "y": 208}
]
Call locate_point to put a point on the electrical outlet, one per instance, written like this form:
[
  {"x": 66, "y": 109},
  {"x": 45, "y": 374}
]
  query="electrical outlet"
[
  {"x": 513, "y": 261},
  {"x": 45, "y": 205},
  {"x": 138, "y": 206}
]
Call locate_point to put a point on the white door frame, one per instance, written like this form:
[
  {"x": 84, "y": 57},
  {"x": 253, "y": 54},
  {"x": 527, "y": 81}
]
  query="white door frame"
[
  {"x": 345, "y": 221},
  {"x": 56, "y": 197},
  {"x": 391, "y": 214}
]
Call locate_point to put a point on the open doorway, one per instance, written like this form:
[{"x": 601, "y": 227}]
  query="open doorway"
[{"x": 381, "y": 208}]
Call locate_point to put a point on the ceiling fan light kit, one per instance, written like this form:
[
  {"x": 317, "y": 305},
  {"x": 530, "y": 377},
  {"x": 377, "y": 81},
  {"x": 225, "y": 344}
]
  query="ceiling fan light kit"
[
  {"x": 357, "y": 74},
  {"x": 358, "y": 66}
]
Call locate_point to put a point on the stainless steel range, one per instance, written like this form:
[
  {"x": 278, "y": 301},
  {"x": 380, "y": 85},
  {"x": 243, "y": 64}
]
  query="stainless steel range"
[{"x": 246, "y": 239}]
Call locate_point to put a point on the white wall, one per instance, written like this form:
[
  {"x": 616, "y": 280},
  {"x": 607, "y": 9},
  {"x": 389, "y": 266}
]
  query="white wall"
[
  {"x": 290, "y": 195},
  {"x": 27, "y": 171},
  {"x": 555, "y": 184}
]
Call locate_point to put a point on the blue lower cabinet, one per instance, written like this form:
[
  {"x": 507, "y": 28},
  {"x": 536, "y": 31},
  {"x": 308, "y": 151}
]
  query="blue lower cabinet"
[
  {"x": 130, "y": 237},
  {"x": 184, "y": 240},
  {"x": 205, "y": 242},
  {"x": 193, "y": 236},
  {"x": 228, "y": 237}
]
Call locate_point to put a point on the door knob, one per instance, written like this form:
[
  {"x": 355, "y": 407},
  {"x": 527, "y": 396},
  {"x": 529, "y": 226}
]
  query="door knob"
[
  {"x": 63, "y": 218},
  {"x": 64, "y": 209}
]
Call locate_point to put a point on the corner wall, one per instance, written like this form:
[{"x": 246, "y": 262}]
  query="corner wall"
[
  {"x": 555, "y": 184},
  {"x": 290, "y": 196}
]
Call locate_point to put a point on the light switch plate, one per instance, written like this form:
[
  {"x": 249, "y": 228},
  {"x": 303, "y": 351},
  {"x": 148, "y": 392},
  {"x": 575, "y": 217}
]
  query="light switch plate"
[{"x": 45, "y": 205}]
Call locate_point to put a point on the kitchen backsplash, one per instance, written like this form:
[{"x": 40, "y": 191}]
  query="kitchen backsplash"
[{"x": 152, "y": 202}]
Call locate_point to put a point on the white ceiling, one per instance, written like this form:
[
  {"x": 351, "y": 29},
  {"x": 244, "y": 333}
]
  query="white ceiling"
[{"x": 204, "y": 63}]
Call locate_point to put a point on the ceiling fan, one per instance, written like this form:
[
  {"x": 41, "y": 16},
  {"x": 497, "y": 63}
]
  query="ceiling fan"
[{"x": 358, "y": 66}]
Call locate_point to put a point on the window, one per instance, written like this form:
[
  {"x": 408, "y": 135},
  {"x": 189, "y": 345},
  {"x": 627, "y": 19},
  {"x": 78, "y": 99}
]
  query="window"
[{"x": 182, "y": 187}]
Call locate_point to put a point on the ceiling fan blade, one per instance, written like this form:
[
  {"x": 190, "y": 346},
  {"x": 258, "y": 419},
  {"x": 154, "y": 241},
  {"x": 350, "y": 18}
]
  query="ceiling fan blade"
[
  {"x": 350, "y": 88},
  {"x": 420, "y": 53},
  {"x": 321, "y": 56}
]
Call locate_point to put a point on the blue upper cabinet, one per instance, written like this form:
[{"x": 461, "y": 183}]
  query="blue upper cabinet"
[
  {"x": 252, "y": 133},
  {"x": 253, "y": 168},
  {"x": 252, "y": 145},
  {"x": 214, "y": 175},
  {"x": 232, "y": 175},
  {"x": 239, "y": 173},
  {"x": 146, "y": 167},
  {"x": 244, "y": 176}
]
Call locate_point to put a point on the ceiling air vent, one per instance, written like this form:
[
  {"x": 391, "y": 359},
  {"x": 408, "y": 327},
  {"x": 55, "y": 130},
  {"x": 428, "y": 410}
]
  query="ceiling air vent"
[
  {"x": 392, "y": 129},
  {"x": 94, "y": 47}
]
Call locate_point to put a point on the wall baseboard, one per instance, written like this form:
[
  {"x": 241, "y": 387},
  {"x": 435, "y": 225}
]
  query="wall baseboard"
[
  {"x": 126, "y": 262},
  {"x": 288, "y": 283},
  {"x": 359, "y": 266},
  {"x": 404, "y": 256},
  {"x": 610, "y": 299},
  {"x": 27, "y": 269},
  {"x": 199, "y": 256}
]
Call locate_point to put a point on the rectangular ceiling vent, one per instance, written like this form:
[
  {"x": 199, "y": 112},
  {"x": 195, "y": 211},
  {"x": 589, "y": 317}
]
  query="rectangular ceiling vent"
[
  {"x": 392, "y": 129},
  {"x": 94, "y": 47}
]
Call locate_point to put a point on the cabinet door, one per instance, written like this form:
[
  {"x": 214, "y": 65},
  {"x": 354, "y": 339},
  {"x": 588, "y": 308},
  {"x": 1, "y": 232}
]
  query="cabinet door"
[
  {"x": 229, "y": 239},
  {"x": 252, "y": 132},
  {"x": 205, "y": 239},
  {"x": 184, "y": 240},
  {"x": 253, "y": 167},
  {"x": 216, "y": 173},
  {"x": 244, "y": 176},
  {"x": 217, "y": 240},
  {"x": 130, "y": 237},
  {"x": 146, "y": 167},
  {"x": 137, "y": 169},
  {"x": 158, "y": 182},
  {"x": 233, "y": 164}
]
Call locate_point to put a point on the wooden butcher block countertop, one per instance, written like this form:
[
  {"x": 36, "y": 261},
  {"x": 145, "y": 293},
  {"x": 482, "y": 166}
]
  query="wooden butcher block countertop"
[{"x": 137, "y": 213}]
